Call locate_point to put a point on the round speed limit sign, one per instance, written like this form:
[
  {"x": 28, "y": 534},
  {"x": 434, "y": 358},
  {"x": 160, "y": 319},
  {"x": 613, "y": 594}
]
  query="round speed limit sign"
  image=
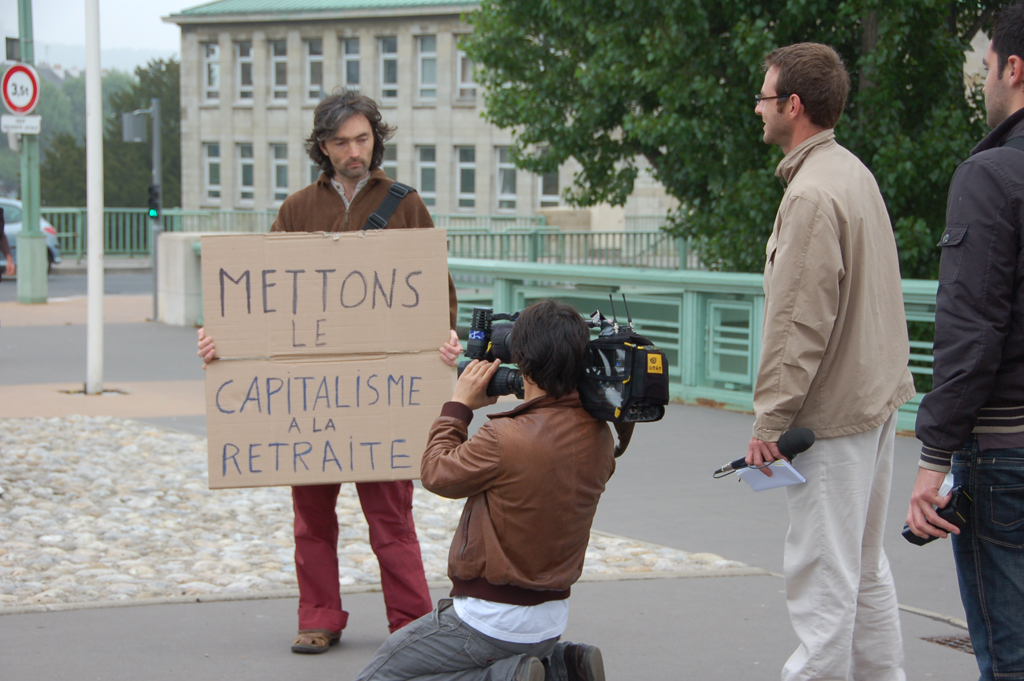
[{"x": 21, "y": 89}]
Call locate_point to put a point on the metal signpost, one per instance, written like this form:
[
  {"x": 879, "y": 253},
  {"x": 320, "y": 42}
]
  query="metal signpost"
[
  {"x": 20, "y": 96},
  {"x": 133, "y": 129}
]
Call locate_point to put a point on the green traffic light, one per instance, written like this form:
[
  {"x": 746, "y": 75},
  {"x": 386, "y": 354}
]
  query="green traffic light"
[{"x": 152, "y": 212}]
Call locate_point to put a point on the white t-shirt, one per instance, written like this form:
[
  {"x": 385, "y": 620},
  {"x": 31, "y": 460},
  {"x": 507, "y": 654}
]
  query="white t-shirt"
[{"x": 514, "y": 623}]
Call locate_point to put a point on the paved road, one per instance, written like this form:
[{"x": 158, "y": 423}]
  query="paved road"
[{"x": 715, "y": 628}]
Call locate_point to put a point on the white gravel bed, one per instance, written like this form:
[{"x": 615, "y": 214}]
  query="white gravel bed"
[{"x": 97, "y": 509}]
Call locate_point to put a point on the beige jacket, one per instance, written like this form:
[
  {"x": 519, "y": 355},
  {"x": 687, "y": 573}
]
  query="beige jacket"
[{"x": 834, "y": 344}]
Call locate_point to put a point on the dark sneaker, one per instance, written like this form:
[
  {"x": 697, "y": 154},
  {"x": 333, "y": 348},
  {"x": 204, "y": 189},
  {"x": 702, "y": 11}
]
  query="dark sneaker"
[
  {"x": 583, "y": 662},
  {"x": 529, "y": 669}
]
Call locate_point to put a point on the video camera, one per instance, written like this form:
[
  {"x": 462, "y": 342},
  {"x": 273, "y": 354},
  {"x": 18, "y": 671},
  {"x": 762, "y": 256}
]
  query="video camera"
[{"x": 625, "y": 380}]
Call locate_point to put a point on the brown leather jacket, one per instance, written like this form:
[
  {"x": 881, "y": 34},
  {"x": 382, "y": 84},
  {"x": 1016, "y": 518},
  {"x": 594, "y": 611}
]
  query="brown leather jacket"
[
  {"x": 319, "y": 208},
  {"x": 533, "y": 477}
]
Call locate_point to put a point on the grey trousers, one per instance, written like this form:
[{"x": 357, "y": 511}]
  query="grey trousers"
[{"x": 440, "y": 646}]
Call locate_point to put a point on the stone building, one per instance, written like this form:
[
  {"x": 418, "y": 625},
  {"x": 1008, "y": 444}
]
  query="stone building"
[{"x": 252, "y": 72}]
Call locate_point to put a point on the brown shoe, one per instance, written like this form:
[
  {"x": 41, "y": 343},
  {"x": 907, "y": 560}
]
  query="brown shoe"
[
  {"x": 583, "y": 662},
  {"x": 529, "y": 669},
  {"x": 314, "y": 641}
]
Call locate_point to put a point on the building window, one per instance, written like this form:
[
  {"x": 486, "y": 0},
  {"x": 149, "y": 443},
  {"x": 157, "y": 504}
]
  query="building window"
[
  {"x": 548, "y": 186},
  {"x": 549, "y": 194},
  {"x": 211, "y": 158},
  {"x": 211, "y": 70},
  {"x": 279, "y": 68},
  {"x": 426, "y": 53},
  {"x": 389, "y": 67},
  {"x": 279, "y": 156},
  {"x": 243, "y": 58},
  {"x": 506, "y": 180},
  {"x": 350, "y": 57},
  {"x": 466, "y": 159},
  {"x": 390, "y": 163},
  {"x": 427, "y": 173},
  {"x": 314, "y": 68},
  {"x": 467, "y": 83},
  {"x": 246, "y": 172}
]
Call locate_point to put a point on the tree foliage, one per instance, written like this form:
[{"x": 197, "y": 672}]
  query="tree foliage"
[
  {"x": 62, "y": 172},
  {"x": 606, "y": 82},
  {"x": 127, "y": 166},
  {"x": 62, "y": 109}
]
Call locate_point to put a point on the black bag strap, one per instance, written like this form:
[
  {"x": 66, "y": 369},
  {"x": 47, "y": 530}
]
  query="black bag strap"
[
  {"x": 379, "y": 218},
  {"x": 1015, "y": 143}
]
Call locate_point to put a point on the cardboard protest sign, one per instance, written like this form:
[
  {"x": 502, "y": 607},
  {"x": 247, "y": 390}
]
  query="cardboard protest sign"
[{"x": 329, "y": 369}]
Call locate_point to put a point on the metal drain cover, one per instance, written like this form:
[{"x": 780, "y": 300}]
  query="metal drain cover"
[{"x": 961, "y": 642}]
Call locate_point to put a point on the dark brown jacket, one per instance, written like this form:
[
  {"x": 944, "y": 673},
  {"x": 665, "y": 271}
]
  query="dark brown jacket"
[
  {"x": 319, "y": 208},
  {"x": 533, "y": 477}
]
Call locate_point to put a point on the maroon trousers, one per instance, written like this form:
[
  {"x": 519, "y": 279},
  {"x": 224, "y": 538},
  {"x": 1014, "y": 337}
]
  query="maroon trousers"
[{"x": 388, "y": 510}]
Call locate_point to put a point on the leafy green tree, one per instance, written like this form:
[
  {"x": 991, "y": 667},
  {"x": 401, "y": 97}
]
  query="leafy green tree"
[
  {"x": 62, "y": 109},
  {"x": 56, "y": 112},
  {"x": 62, "y": 172},
  {"x": 74, "y": 89},
  {"x": 127, "y": 165},
  {"x": 606, "y": 82}
]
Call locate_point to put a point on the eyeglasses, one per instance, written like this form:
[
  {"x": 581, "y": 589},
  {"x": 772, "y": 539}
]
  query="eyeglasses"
[{"x": 758, "y": 98}]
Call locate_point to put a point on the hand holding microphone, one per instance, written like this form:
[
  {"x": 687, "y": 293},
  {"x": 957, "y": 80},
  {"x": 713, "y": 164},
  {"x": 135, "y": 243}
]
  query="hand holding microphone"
[{"x": 791, "y": 443}]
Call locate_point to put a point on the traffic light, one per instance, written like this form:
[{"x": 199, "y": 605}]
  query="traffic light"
[{"x": 154, "y": 201}]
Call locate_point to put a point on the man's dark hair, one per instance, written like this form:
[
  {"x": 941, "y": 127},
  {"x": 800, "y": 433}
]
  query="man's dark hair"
[
  {"x": 331, "y": 114},
  {"x": 815, "y": 72},
  {"x": 1008, "y": 34},
  {"x": 549, "y": 343}
]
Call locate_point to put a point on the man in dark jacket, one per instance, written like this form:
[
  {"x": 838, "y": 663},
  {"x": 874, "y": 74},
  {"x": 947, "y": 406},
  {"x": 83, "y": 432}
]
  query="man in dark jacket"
[
  {"x": 532, "y": 478},
  {"x": 347, "y": 143},
  {"x": 973, "y": 419}
]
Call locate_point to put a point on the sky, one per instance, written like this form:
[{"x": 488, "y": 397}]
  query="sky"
[{"x": 133, "y": 25}]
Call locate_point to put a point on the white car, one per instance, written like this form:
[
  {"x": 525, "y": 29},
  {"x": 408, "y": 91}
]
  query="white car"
[{"x": 12, "y": 227}]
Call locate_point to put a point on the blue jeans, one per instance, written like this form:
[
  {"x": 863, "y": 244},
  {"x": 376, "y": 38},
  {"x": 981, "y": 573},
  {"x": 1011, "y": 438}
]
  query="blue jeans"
[
  {"x": 441, "y": 647},
  {"x": 989, "y": 555}
]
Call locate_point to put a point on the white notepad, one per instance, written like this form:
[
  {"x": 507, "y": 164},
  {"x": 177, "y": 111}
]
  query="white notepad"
[{"x": 782, "y": 475}]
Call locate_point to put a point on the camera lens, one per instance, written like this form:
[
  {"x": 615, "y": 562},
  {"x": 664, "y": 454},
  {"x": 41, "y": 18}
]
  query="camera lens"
[{"x": 506, "y": 381}]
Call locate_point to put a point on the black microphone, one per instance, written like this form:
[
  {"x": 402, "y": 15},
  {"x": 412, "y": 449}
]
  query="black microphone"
[{"x": 791, "y": 443}]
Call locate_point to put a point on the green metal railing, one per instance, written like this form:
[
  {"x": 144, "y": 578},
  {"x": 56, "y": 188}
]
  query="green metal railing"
[
  {"x": 240, "y": 221},
  {"x": 708, "y": 323},
  {"x": 645, "y": 223},
  {"x": 126, "y": 231},
  {"x": 609, "y": 249},
  {"x": 487, "y": 223}
]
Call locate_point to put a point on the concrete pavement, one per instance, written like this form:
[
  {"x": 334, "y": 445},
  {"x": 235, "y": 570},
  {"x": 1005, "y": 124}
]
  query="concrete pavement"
[{"x": 715, "y": 628}]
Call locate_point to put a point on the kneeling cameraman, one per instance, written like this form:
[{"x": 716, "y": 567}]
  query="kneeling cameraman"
[{"x": 532, "y": 478}]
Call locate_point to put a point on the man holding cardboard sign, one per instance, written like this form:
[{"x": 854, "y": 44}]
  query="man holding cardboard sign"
[{"x": 347, "y": 143}]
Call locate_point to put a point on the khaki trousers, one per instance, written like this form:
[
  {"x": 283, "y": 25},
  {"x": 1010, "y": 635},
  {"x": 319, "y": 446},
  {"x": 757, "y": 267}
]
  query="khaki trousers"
[{"x": 839, "y": 589}]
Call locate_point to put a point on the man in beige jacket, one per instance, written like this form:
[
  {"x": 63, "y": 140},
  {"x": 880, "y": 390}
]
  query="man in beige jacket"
[{"x": 834, "y": 359}]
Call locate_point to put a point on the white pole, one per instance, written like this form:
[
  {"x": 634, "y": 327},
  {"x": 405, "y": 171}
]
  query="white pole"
[{"x": 94, "y": 198}]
